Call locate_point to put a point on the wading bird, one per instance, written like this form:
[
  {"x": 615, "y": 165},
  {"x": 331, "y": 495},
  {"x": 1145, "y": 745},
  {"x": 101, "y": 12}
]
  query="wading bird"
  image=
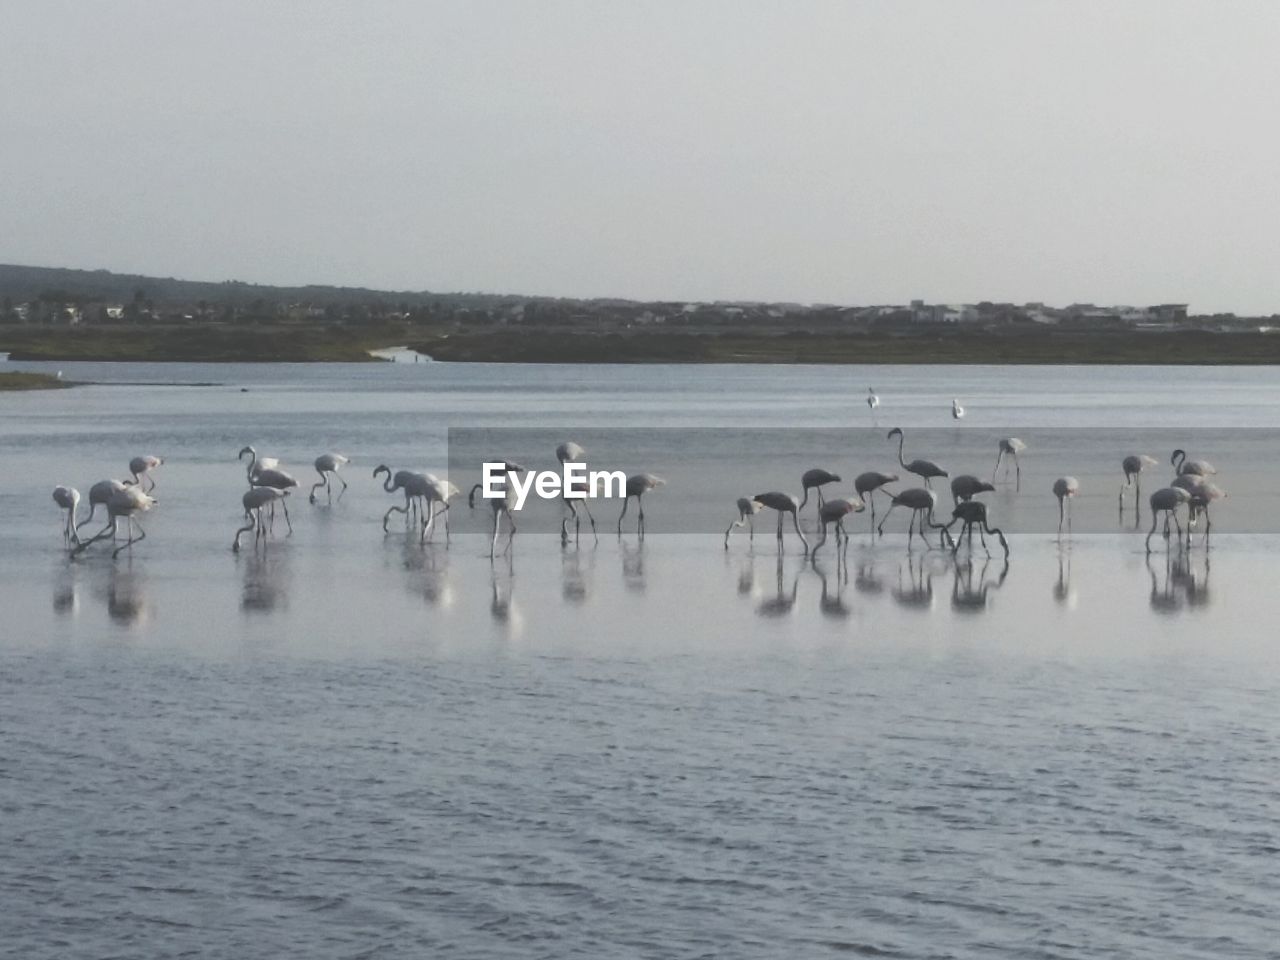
[
  {"x": 970, "y": 514},
  {"x": 141, "y": 467},
  {"x": 68, "y": 498},
  {"x": 967, "y": 486},
  {"x": 783, "y": 503},
  {"x": 504, "y": 505},
  {"x": 570, "y": 452},
  {"x": 816, "y": 479},
  {"x": 1133, "y": 465},
  {"x": 1166, "y": 501},
  {"x": 1181, "y": 465},
  {"x": 638, "y": 484},
  {"x": 1202, "y": 493},
  {"x": 257, "y": 463},
  {"x": 834, "y": 511},
  {"x": 264, "y": 476},
  {"x": 873, "y": 401},
  {"x": 924, "y": 469},
  {"x": 957, "y": 411},
  {"x": 328, "y": 465},
  {"x": 747, "y": 510},
  {"x": 866, "y": 484},
  {"x": 126, "y": 502},
  {"x": 436, "y": 490},
  {"x": 1065, "y": 488},
  {"x": 99, "y": 494},
  {"x": 1011, "y": 447},
  {"x": 920, "y": 502},
  {"x": 410, "y": 483},
  {"x": 254, "y": 500}
]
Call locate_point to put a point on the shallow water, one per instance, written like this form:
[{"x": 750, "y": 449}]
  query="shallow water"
[{"x": 350, "y": 744}]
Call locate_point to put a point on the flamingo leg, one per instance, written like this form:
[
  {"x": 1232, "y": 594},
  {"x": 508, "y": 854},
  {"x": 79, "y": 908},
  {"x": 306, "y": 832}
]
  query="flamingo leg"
[
  {"x": 142, "y": 535},
  {"x": 795, "y": 518},
  {"x": 626, "y": 501},
  {"x": 640, "y": 516},
  {"x": 493, "y": 544},
  {"x": 251, "y": 525}
]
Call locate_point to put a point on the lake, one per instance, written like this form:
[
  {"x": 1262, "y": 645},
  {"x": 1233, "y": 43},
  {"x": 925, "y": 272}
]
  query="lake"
[{"x": 350, "y": 743}]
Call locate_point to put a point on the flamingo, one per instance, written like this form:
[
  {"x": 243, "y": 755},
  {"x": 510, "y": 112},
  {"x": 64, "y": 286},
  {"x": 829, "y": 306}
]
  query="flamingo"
[
  {"x": 834, "y": 511},
  {"x": 126, "y": 502},
  {"x": 141, "y": 467},
  {"x": 920, "y": 501},
  {"x": 99, "y": 495},
  {"x": 1133, "y": 465},
  {"x": 924, "y": 469},
  {"x": 873, "y": 401},
  {"x": 412, "y": 484},
  {"x": 505, "y": 504},
  {"x": 570, "y": 452},
  {"x": 269, "y": 476},
  {"x": 254, "y": 500},
  {"x": 1202, "y": 493},
  {"x": 970, "y": 514},
  {"x": 747, "y": 510},
  {"x": 1166, "y": 501},
  {"x": 1181, "y": 465},
  {"x": 1065, "y": 488},
  {"x": 436, "y": 490},
  {"x": 957, "y": 411},
  {"x": 866, "y": 484},
  {"x": 638, "y": 484},
  {"x": 815, "y": 479},
  {"x": 967, "y": 486},
  {"x": 1010, "y": 446},
  {"x": 328, "y": 465},
  {"x": 783, "y": 503},
  {"x": 68, "y": 498}
]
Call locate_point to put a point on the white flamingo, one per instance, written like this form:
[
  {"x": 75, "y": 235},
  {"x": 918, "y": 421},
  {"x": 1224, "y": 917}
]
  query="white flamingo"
[
  {"x": 261, "y": 475},
  {"x": 436, "y": 491},
  {"x": 141, "y": 467},
  {"x": 1166, "y": 500},
  {"x": 747, "y": 510},
  {"x": 254, "y": 500},
  {"x": 504, "y": 504},
  {"x": 1200, "y": 468},
  {"x": 638, "y": 484},
  {"x": 570, "y": 452},
  {"x": 127, "y": 502},
  {"x": 834, "y": 511},
  {"x": 328, "y": 465},
  {"x": 1010, "y": 447},
  {"x": 957, "y": 411},
  {"x": 68, "y": 498},
  {"x": 412, "y": 484},
  {"x": 1133, "y": 465},
  {"x": 99, "y": 495},
  {"x": 1065, "y": 489}
]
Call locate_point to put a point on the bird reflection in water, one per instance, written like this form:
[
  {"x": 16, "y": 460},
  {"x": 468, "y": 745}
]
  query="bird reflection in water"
[
  {"x": 916, "y": 590},
  {"x": 265, "y": 586},
  {"x": 126, "y": 596},
  {"x": 1179, "y": 582},
  {"x": 574, "y": 586},
  {"x": 747, "y": 583},
  {"x": 867, "y": 581},
  {"x": 783, "y": 601},
  {"x": 502, "y": 605},
  {"x": 1063, "y": 593},
  {"x": 66, "y": 590},
  {"x": 971, "y": 589},
  {"x": 633, "y": 577},
  {"x": 831, "y": 603},
  {"x": 426, "y": 569}
]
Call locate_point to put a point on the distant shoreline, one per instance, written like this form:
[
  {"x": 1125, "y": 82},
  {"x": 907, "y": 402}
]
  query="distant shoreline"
[
  {"x": 317, "y": 343},
  {"x": 15, "y": 381}
]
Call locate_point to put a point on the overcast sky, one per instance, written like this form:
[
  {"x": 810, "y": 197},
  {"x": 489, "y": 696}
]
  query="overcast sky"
[{"x": 851, "y": 152}]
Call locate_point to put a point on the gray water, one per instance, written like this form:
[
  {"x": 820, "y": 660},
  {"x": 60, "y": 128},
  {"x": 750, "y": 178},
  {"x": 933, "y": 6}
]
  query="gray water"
[{"x": 350, "y": 744}]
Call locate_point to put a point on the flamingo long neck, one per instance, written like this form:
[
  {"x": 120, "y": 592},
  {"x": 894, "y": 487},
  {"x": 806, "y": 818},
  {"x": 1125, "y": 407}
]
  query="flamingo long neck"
[
  {"x": 901, "y": 440},
  {"x": 253, "y": 462},
  {"x": 386, "y": 484}
]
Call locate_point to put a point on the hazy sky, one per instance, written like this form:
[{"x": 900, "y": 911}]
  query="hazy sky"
[{"x": 853, "y": 152}]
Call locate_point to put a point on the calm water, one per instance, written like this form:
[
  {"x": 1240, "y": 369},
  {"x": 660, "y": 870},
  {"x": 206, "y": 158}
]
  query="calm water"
[{"x": 352, "y": 745}]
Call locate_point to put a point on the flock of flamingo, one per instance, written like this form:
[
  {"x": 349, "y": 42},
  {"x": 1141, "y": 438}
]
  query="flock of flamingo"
[{"x": 427, "y": 498}]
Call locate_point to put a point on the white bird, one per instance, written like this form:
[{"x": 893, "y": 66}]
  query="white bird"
[
  {"x": 1181, "y": 465},
  {"x": 412, "y": 484},
  {"x": 957, "y": 411},
  {"x": 920, "y": 501},
  {"x": 834, "y": 511},
  {"x": 1166, "y": 501},
  {"x": 504, "y": 504},
  {"x": 261, "y": 475},
  {"x": 68, "y": 498},
  {"x": 873, "y": 401},
  {"x": 924, "y": 469},
  {"x": 254, "y": 500},
  {"x": 1133, "y": 465},
  {"x": 141, "y": 467},
  {"x": 1010, "y": 446},
  {"x": 783, "y": 503},
  {"x": 328, "y": 465},
  {"x": 436, "y": 491},
  {"x": 638, "y": 484},
  {"x": 747, "y": 510},
  {"x": 1065, "y": 488},
  {"x": 570, "y": 452},
  {"x": 1203, "y": 492},
  {"x": 816, "y": 479},
  {"x": 126, "y": 502}
]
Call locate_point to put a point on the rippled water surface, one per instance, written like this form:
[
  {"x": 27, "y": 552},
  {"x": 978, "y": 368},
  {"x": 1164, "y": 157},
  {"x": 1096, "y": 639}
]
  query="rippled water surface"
[{"x": 351, "y": 744}]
